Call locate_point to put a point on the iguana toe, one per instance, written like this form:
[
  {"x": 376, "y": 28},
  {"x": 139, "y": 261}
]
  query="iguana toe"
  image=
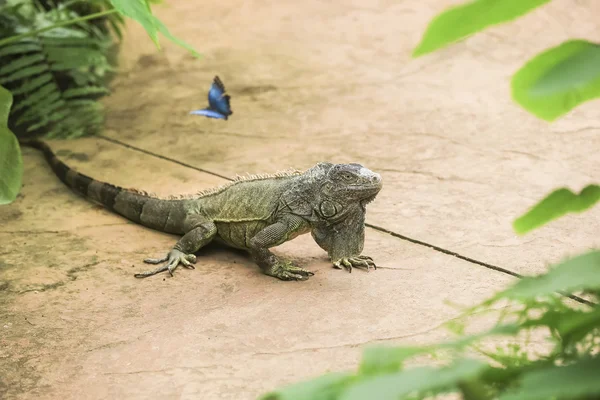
[
  {"x": 290, "y": 272},
  {"x": 173, "y": 259},
  {"x": 348, "y": 263}
]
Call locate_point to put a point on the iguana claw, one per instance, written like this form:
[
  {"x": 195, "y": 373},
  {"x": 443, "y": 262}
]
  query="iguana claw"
[
  {"x": 289, "y": 272},
  {"x": 357, "y": 262},
  {"x": 173, "y": 259}
]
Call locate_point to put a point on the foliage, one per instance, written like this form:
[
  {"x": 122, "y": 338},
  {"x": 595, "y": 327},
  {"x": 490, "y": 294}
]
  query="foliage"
[
  {"x": 557, "y": 204},
  {"x": 548, "y": 86},
  {"x": 56, "y": 75},
  {"x": 463, "y": 20},
  {"x": 568, "y": 369},
  {"x": 559, "y": 79},
  {"x": 11, "y": 163},
  {"x": 140, "y": 11},
  {"x": 57, "y": 58}
]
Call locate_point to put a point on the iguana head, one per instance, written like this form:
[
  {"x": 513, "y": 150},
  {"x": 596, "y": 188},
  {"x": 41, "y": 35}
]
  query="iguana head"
[{"x": 351, "y": 183}]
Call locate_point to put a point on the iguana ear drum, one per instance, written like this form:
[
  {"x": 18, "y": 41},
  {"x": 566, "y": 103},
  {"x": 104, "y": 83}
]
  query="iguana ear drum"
[{"x": 328, "y": 209}]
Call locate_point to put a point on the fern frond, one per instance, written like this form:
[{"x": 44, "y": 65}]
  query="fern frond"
[
  {"x": 43, "y": 108},
  {"x": 22, "y": 62},
  {"x": 20, "y": 48},
  {"x": 83, "y": 42},
  {"x": 57, "y": 75},
  {"x": 85, "y": 91},
  {"x": 66, "y": 58},
  {"x": 31, "y": 85},
  {"x": 24, "y": 73},
  {"x": 36, "y": 97}
]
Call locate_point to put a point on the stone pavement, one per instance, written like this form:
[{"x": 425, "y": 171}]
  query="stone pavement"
[{"x": 309, "y": 81}]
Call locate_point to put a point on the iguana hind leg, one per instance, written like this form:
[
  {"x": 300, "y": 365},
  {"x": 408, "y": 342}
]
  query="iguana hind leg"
[{"x": 182, "y": 252}]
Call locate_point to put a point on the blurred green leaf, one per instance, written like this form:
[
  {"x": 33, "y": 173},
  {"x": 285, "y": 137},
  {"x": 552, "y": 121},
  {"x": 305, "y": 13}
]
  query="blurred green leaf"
[
  {"x": 11, "y": 163},
  {"x": 461, "y": 21},
  {"x": 21, "y": 63},
  {"x": 141, "y": 11},
  {"x": 574, "y": 325},
  {"x": 578, "y": 273},
  {"x": 385, "y": 359},
  {"x": 163, "y": 29},
  {"x": 326, "y": 387},
  {"x": 557, "y": 204},
  {"x": 576, "y": 381},
  {"x": 559, "y": 79},
  {"x": 395, "y": 385}
]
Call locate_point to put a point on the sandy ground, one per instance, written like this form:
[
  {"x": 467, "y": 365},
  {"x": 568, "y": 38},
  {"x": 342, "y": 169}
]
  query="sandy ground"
[{"x": 310, "y": 81}]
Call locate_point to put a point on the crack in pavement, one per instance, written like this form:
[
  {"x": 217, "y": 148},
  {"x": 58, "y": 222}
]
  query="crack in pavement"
[
  {"x": 468, "y": 259},
  {"x": 375, "y": 227},
  {"x": 430, "y": 175},
  {"x": 355, "y": 344},
  {"x": 147, "y": 152}
]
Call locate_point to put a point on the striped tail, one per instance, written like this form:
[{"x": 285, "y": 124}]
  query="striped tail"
[
  {"x": 99, "y": 192},
  {"x": 133, "y": 205}
]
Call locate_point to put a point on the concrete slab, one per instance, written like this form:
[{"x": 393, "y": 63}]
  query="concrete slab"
[
  {"x": 460, "y": 161},
  {"x": 76, "y": 324}
]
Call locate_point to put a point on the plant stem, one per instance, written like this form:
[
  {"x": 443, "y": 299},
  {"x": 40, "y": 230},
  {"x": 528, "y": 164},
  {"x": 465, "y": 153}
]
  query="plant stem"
[{"x": 15, "y": 38}]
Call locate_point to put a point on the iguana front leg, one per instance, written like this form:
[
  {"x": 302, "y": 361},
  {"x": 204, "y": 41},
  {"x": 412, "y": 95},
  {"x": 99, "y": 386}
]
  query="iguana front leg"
[
  {"x": 182, "y": 252},
  {"x": 274, "y": 235},
  {"x": 344, "y": 243}
]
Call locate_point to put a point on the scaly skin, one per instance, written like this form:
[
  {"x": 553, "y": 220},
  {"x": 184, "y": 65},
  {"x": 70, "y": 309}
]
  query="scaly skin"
[{"x": 253, "y": 214}]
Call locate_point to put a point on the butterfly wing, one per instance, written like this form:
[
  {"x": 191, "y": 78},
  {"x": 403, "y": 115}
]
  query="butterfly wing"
[
  {"x": 217, "y": 99},
  {"x": 207, "y": 112},
  {"x": 217, "y": 89}
]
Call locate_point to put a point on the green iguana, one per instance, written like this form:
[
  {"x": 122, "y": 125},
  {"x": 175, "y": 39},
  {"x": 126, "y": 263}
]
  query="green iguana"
[{"x": 251, "y": 213}]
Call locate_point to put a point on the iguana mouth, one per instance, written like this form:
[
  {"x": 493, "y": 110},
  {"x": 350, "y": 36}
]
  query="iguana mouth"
[
  {"x": 376, "y": 186},
  {"x": 367, "y": 200}
]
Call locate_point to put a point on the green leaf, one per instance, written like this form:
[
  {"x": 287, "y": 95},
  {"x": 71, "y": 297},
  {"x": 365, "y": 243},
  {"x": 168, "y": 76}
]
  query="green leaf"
[
  {"x": 576, "y": 381},
  {"x": 46, "y": 106},
  {"x": 19, "y": 48},
  {"x": 84, "y": 42},
  {"x": 163, "y": 29},
  {"x": 24, "y": 73},
  {"x": 32, "y": 84},
  {"x": 395, "y": 385},
  {"x": 576, "y": 324},
  {"x": 11, "y": 163},
  {"x": 38, "y": 96},
  {"x": 85, "y": 91},
  {"x": 326, "y": 387},
  {"x": 66, "y": 58},
  {"x": 557, "y": 204},
  {"x": 461, "y": 21},
  {"x": 21, "y": 63},
  {"x": 467, "y": 340},
  {"x": 140, "y": 11},
  {"x": 578, "y": 273},
  {"x": 559, "y": 79},
  {"x": 474, "y": 390},
  {"x": 385, "y": 359}
]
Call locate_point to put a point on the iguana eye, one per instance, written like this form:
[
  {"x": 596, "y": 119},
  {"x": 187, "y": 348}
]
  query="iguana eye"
[{"x": 348, "y": 177}]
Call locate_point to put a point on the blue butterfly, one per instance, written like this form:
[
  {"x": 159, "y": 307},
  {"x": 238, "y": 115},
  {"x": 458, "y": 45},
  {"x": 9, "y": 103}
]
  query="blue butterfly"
[{"x": 218, "y": 102}]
